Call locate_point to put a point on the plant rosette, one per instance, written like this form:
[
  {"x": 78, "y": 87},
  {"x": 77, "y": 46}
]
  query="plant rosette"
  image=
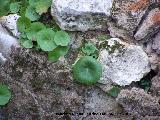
[{"x": 87, "y": 70}]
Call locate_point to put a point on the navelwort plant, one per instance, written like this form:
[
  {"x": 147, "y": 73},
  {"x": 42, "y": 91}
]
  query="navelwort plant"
[
  {"x": 90, "y": 49},
  {"x": 87, "y": 70},
  {"x": 35, "y": 34}
]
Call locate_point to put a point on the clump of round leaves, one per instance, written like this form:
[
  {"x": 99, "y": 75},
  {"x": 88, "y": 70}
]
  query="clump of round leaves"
[
  {"x": 57, "y": 53},
  {"x": 34, "y": 29},
  {"x": 45, "y": 39},
  {"x": 5, "y": 94},
  {"x": 62, "y": 38},
  {"x": 87, "y": 70}
]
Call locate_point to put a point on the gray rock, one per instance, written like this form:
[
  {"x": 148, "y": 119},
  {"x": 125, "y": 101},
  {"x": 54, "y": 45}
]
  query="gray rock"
[
  {"x": 137, "y": 102},
  {"x": 81, "y": 15},
  {"x": 152, "y": 55},
  {"x": 40, "y": 88},
  {"x": 149, "y": 26},
  {"x": 156, "y": 43},
  {"x": 129, "y": 13},
  {"x": 6, "y": 42},
  {"x": 122, "y": 62},
  {"x": 99, "y": 106},
  {"x": 155, "y": 87},
  {"x": 10, "y": 23}
]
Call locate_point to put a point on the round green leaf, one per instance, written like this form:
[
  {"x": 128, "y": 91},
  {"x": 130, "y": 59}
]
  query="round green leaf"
[
  {"x": 42, "y": 6},
  {"x": 62, "y": 38},
  {"x": 31, "y": 13},
  {"x": 87, "y": 70},
  {"x": 27, "y": 44},
  {"x": 4, "y": 7},
  {"x": 5, "y": 94},
  {"x": 89, "y": 48},
  {"x": 14, "y": 7},
  {"x": 23, "y": 23},
  {"x": 34, "y": 29},
  {"x": 57, "y": 53},
  {"x": 45, "y": 38}
]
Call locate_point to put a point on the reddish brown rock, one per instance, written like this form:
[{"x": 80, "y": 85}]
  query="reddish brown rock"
[
  {"x": 129, "y": 13},
  {"x": 150, "y": 25}
]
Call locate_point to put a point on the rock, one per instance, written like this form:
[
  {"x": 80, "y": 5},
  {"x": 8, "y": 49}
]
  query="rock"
[
  {"x": 115, "y": 32},
  {"x": 149, "y": 26},
  {"x": 152, "y": 55},
  {"x": 40, "y": 89},
  {"x": 155, "y": 87},
  {"x": 81, "y": 15},
  {"x": 99, "y": 106},
  {"x": 137, "y": 102},
  {"x": 129, "y": 13},
  {"x": 154, "y": 60},
  {"x": 133, "y": 15},
  {"x": 6, "y": 42},
  {"x": 149, "y": 118},
  {"x": 2, "y": 59},
  {"x": 10, "y": 23},
  {"x": 122, "y": 62},
  {"x": 156, "y": 43}
]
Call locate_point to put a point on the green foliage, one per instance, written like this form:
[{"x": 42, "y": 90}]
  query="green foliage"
[
  {"x": 103, "y": 37},
  {"x": 31, "y": 13},
  {"x": 34, "y": 28},
  {"x": 87, "y": 70},
  {"x": 4, "y": 7},
  {"x": 62, "y": 38},
  {"x": 45, "y": 39},
  {"x": 114, "y": 91},
  {"x": 144, "y": 84},
  {"x": 42, "y": 6},
  {"x": 23, "y": 23},
  {"x": 89, "y": 49},
  {"x": 5, "y": 94},
  {"x": 31, "y": 9},
  {"x": 57, "y": 53},
  {"x": 27, "y": 44},
  {"x": 37, "y": 35},
  {"x": 14, "y": 7}
]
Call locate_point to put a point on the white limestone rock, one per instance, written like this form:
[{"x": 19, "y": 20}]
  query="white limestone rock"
[
  {"x": 81, "y": 15},
  {"x": 10, "y": 23},
  {"x": 6, "y": 42},
  {"x": 123, "y": 63}
]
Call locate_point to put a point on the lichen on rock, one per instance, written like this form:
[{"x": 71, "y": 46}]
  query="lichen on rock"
[
  {"x": 81, "y": 15},
  {"x": 124, "y": 65}
]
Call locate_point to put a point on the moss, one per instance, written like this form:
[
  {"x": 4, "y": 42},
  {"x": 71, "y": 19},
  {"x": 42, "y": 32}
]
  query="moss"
[{"x": 111, "y": 49}]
